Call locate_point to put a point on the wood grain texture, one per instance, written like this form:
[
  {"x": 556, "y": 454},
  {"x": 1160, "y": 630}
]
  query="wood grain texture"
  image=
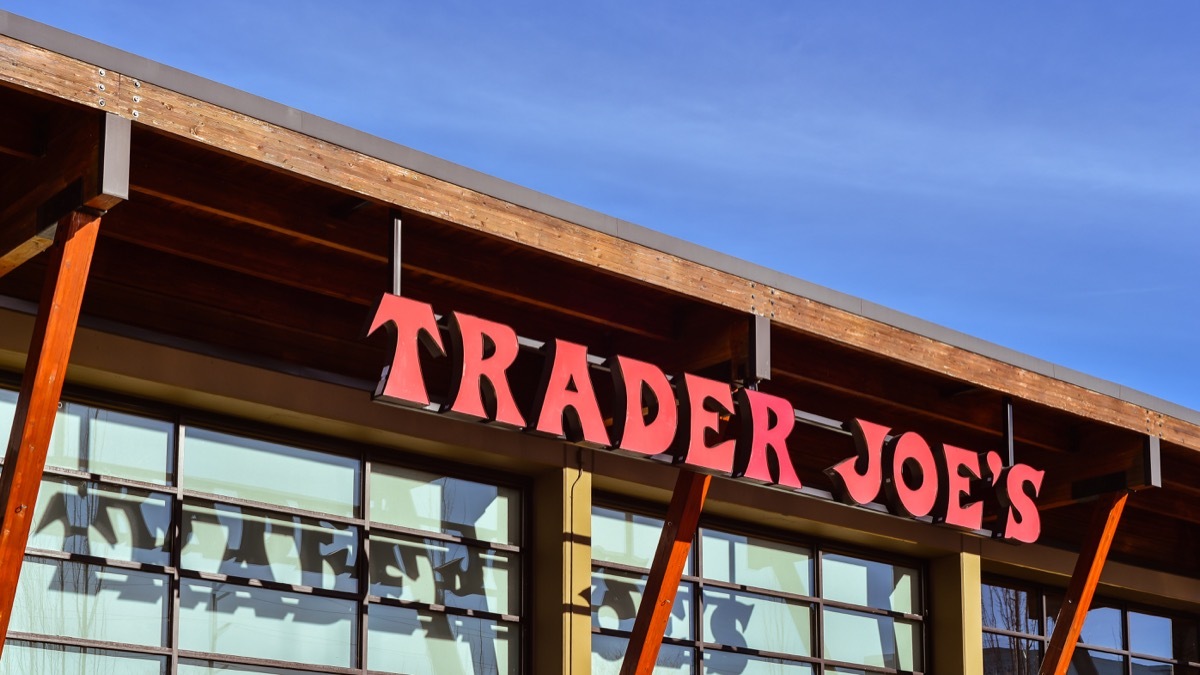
[
  {"x": 41, "y": 388},
  {"x": 1082, "y": 587},
  {"x": 318, "y": 161},
  {"x": 674, "y": 545}
]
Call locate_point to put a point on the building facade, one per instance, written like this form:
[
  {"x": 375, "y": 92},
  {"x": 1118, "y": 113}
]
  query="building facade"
[{"x": 221, "y": 492}]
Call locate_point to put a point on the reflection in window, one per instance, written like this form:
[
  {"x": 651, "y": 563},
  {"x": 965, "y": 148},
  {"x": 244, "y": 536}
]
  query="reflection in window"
[
  {"x": 872, "y": 640},
  {"x": 102, "y": 441},
  {"x": 750, "y": 561},
  {"x": 444, "y": 573},
  {"x": 426, "y": 501},
  {"x": 616, "y": 597},
  {"x": 608, "y": 652},
  {"x": 120, "y": 523},
  {"x": 198, "y": 667},
  {"x": 870, "y": 583},
  {"x": 265, "y": 624},
  {"x": 756, "y": 608},
  {"x": 90, "y": 601},
  {"x": 1149, "y": 646},
  {"x": 28, "y": 658},
  {"x": 248, "y": 542},
  {"x": 404, "y": 640},
  {"x": 759, "y": 622},
  {"x": 275, "y": 579},
  {"x": 271, "y": 473}
]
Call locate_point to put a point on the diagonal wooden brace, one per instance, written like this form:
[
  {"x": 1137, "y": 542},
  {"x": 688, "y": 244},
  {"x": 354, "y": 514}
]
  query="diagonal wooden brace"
[
  {"x": 41, "y": 388},
  {"x": 679, "y": 530},
  {"x": 1083, "y": 584}
]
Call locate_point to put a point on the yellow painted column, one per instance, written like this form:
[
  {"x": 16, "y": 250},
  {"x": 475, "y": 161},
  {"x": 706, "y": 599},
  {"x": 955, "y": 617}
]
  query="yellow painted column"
[
  {"x": 561, "y": 629},
  {"x": 956, "y": 612}
]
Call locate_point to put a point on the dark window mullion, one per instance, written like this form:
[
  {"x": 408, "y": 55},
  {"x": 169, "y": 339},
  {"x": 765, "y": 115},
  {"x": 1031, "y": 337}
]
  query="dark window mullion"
[
  {"x": 176, "y": 553},
  {"x": 364, "y": 562}
]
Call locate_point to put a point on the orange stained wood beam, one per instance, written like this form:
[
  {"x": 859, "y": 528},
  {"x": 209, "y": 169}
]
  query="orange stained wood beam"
[
  {"x": 679, "y": 530},
  {"x": 41, "y": 388},
  {"x": 1083, "y": 584}
]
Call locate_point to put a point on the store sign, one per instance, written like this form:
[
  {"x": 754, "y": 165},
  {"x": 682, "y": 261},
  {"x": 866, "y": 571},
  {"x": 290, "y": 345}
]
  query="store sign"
[{"x": 651, "y": 415}]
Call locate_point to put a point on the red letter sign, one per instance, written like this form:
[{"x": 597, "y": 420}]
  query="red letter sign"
[
  {"x": 408, "y": 323},
  {"x": 566, "y": 391},
  {"x": 857, "y": 480},
  {"x": 766, "y": 422},
  {"x": 912, "y": 487},
  {"x": 483, "y": 351},
  {"x": 700, "y": 403},
  {"x": 958, "y": 468},
  {"x": 1019, "y": 519},
  {"x": 649, "y": 433}
]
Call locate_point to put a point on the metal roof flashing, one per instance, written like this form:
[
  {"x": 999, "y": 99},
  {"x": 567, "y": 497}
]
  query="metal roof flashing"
[{"x": 75, "y": 46}]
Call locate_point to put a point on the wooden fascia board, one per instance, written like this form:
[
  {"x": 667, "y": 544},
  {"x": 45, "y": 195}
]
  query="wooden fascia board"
[{"x": 309, "y": 158}]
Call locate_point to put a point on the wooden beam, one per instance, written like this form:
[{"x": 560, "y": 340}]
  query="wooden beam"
[
  {"x": 85, "y": 166},
  {"x": 679, "y": 529},
  {"x": 1103, "y": 465},
  {"x": 1082, "y": 587},
  {"x": 41, "y": 388}
]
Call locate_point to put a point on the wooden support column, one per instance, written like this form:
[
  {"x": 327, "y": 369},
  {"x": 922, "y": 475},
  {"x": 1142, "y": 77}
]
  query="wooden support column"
[
  {"x": 41, "y": 387},
  {"x": 1083, "y": 584},
  {"x": 679, "y": 530}
]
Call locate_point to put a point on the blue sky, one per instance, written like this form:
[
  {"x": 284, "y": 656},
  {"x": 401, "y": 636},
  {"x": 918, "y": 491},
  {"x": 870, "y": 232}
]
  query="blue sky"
[{"x": 1025, "y": 172}]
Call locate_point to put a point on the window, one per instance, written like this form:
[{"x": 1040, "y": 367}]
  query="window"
[
  {"x": 1117, "y": 639},
  {"x": 161, "y": 547},
  {"x": 751, "y": 604}
]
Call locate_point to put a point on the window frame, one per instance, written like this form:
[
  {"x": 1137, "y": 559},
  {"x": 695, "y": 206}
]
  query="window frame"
[
  {"x": 183, "y": 419},
  {"x": 817, "y": 549}
]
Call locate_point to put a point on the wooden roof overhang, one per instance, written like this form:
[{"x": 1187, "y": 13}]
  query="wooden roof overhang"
[{"x": 246, "y": 237}]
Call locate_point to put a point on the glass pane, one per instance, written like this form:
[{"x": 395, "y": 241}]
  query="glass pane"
[
  {"x": 198, "y": 667},
  {"x": 757, "y": 622},
  {"x": 75, "y": 516},
  {"x": 1102, "y": 628},
  {"x": 1003, "y": 655},
  {"x": 427, "y": 501},
  {"x": 70, "y": 432},
  {"x": 726, "y": 663},
  {"x": 90, "y": 601},
  {"x": 1010, "y": 609},
  {"x": 1148, "y": 667},
  {"x": 403, "y": 640},
  {"x": 245, "y": 468},
  {"x": 1149, "y": 634},
  {"x": 626, "y": 538},
  {"x": 27, "y": 658},
  {"x": 872, "y": 640},
  {"x": 616, "y": 596},
  {"x": 112, "y": 443},
  {"x": 129, "y": 446},
  {"x": 247, "y": 542},
  {"x": 608, "y": 652},
  {"x": 1092, "y": 662},
  {"x": 750, "y": 561},
  {"x": 870, "y": 583},
  {"x": 8, "y": 408},
  {"x": 259, "y": 623},
  {"x": 442, "y": 573}
]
